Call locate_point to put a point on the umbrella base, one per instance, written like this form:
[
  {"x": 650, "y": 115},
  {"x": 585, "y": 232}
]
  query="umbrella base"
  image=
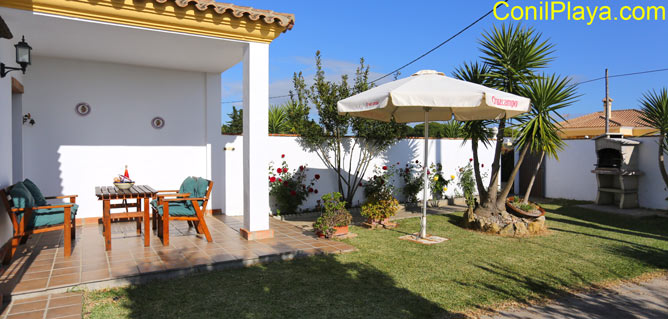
[{"x": 429, "y": 240}]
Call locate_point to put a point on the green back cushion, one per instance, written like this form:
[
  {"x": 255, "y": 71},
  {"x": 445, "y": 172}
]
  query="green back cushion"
[
  {"x": 21, "y": 196},
  {"x": 196, "y": 187},
  {"x": 35, "y": 192}
]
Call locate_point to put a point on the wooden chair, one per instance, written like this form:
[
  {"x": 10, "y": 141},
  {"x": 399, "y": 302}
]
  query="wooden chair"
[
  {"x": 187, "y": 203},
  {"x": 43, "y": 219}
]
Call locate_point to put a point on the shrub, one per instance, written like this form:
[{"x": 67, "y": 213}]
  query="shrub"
[
  {"x": 380, "y": 185},
  {"x": 334, "y": 214},
  {"x": 289, "y": 189},
  {"x": 467, "y": 184},
  {"x": 379, "y": 209},
  {"x": 413, "y": 180},
  {"x": 437, "y": 183}
]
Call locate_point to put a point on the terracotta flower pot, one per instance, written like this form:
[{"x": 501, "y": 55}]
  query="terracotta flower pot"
[
  {"x": 521, "y": 213},
  {"x": 341, "y": 230}
]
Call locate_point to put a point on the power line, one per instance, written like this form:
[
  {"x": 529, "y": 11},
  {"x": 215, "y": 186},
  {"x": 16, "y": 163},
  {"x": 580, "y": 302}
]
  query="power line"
[
  {"x": 623, "y": 75},
  {"x": 440, "y": 44},
  {"x": 412, "y": 61}
]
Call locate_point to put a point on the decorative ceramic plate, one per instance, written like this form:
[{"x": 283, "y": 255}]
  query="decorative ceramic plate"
[
  {"x": 157, "y": 122},
  {"x": 82, "y": 109}
]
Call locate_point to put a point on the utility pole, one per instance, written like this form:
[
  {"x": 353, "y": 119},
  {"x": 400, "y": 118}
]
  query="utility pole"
[{"x": 607, "y": 104}]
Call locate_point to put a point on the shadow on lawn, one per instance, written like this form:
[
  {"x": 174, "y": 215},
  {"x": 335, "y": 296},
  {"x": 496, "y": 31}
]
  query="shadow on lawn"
[
  {"x": 317, "y": 287},
  {"x": 647, "y": 227},
  {"x": 602, "y": 304}
]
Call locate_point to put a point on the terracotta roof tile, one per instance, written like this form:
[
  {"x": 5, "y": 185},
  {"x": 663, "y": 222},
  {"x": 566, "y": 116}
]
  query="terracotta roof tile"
[
  {"x": 630, "y": 117},
  {"x": 285, "y": 20},
  {"x": 4, "y": 30}
]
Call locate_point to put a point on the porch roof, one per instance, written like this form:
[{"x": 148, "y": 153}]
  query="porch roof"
[{"x": 198, "y": 17}]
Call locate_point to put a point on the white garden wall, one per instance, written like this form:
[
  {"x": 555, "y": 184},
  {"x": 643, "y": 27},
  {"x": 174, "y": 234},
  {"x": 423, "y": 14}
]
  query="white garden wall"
[
  {"x": 449, "y": 152},
  {"x": 571, "y": 176}
]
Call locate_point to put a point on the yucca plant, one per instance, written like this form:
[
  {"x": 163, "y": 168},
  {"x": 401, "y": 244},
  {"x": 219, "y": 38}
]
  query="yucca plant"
[
  {"x": 538, "y": 129},
  {"x": 513, "y": 54},
  {"x": 278, "y": 119},
  {"x": 654, "y": 113}
]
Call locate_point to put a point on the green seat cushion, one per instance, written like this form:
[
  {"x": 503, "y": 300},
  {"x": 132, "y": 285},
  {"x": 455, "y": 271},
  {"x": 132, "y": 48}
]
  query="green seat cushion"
[
  {"x": 35, "y": 192},
  {"x": 51, "y": 216},
  {"x": 175, "y": 209},
  {"x": 21, "y": 196}
]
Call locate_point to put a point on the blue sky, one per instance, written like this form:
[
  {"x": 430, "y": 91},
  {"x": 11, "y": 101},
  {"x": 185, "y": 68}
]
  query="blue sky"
[{"x": 389, "y": 34}]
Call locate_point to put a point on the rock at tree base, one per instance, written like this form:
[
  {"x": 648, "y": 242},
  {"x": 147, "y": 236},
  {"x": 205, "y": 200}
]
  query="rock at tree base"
[{"x": 505, "y": 224}]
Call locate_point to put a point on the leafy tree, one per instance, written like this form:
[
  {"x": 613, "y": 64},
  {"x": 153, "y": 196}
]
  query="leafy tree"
[
  {"x": 236, "y": 123},
  {"x": 538, "y": 129},
  {"x": 655, "y": 114},
  {"x": 349, "y": 158}
]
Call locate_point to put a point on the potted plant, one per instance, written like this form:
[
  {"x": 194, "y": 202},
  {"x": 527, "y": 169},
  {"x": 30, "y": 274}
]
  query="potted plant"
[
  {"x": 334, "y": 219},
  {"x": 524, "y": 208}
]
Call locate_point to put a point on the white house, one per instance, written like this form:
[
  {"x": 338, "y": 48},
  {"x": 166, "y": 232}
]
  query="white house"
[{"x": 130, "y": 62}]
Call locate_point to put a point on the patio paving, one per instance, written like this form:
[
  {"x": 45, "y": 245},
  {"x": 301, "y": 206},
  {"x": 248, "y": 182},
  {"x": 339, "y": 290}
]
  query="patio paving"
[
  {"x": 39, "y": 267},
  {"x": 65, "y": 305}
]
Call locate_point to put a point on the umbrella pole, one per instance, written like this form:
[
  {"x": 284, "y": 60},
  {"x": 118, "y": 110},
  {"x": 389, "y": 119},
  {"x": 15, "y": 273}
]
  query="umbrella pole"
[{"x": 423, "y": 228}]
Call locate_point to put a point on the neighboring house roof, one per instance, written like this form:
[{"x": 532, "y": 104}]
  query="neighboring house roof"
[
  {"x": 285, "y": 20},
  {"x": 630, "y": 117},
  {"x": 4, "y": 30}
]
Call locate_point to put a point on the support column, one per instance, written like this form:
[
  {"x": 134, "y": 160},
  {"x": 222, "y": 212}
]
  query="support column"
[{"x": 256, "y": 139}]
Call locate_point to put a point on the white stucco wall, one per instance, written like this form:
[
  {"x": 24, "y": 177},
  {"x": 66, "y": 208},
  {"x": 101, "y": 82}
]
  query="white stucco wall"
[
  {"x": 451, "y": 153},
  {"x": 8, "y": 56},
  {"x": 65, "y": 153},
  {"x": 571, "y": 176}
]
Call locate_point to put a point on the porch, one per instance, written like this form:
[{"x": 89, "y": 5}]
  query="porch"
[{"x": 39, "y": 267}]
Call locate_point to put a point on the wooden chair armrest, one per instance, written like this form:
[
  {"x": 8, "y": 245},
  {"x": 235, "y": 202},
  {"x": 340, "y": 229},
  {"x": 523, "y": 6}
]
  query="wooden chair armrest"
[
  {"x": 61, "y": 197},
  {"x": 174, "y": 195},
  {"x": 52, "y": 206},
  {"x": 17, "y": 209},
  {"x": 182, "y": 199},
  {"x": 169, "y": 191}
]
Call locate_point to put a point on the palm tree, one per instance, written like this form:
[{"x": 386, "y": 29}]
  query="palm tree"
[
  {"x": 539, "y": 128},
  {"x": 476, "y": 131},
  {"x": 654, "y": 113},
  {"x": 513, "y": 55}
]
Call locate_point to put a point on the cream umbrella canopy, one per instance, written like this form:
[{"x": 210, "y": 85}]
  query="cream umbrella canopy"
[{"x": 430, "y": 95}]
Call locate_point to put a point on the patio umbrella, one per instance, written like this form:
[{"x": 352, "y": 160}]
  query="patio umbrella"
[{"x": 430, "y": 95}]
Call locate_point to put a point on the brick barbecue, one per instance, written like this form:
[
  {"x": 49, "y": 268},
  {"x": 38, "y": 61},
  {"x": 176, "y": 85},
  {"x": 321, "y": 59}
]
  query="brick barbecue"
[{"x": 617, "y": 171}]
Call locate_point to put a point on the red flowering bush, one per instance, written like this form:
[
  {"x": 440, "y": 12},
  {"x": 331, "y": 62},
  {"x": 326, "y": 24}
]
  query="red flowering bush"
[
  {"x": 290, "y": 189},
  {"x": 381, "y": 184}
]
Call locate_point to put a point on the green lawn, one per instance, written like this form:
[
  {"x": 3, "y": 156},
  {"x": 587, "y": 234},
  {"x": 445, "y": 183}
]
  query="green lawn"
[{"x": 389, "y": 278}]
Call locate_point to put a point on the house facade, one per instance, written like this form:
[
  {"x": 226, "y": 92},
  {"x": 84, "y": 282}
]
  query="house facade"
[
  {"x": 626, "y": 122},
  {"x": 137, "y": 83}
]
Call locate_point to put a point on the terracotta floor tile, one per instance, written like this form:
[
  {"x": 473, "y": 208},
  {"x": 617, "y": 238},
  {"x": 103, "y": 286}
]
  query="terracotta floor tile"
[
  {"x": 67, "y": 264},
  {"x": 28, "y": 285},
  {"x": 223, "y": 257},
  {"x": 28, "y": 307},
  {"x": 36, "y": 275},
  {"x": 28, "y": 315},
  {"x": 65, "y": 280},
  {"x": 151, "y": 267},
  {"x": 65, "y": 300},
  {"x": 66, "y": 271},
  {"x": 95, "y": 275},
  {"x": 64, "y": 311},
  {"x": 124, "y": 271},
  {"x": 31, "y": 299},
  {"x": 38, "y": 268}
]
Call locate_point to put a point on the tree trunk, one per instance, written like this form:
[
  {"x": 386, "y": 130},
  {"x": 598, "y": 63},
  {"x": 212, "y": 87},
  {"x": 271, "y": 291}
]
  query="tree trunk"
[
  {"x": 533, "y": 178},
  {"x": 501, "y": 202},
  {"x": 493, "y": 188},
  {"x": 476, "y": 170}
]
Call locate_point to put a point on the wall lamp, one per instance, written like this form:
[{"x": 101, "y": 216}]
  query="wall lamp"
[{"x": 22, "y": 58}]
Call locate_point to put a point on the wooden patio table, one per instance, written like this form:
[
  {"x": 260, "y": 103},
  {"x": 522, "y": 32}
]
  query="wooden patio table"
[{"x": 108, "y": 193}]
